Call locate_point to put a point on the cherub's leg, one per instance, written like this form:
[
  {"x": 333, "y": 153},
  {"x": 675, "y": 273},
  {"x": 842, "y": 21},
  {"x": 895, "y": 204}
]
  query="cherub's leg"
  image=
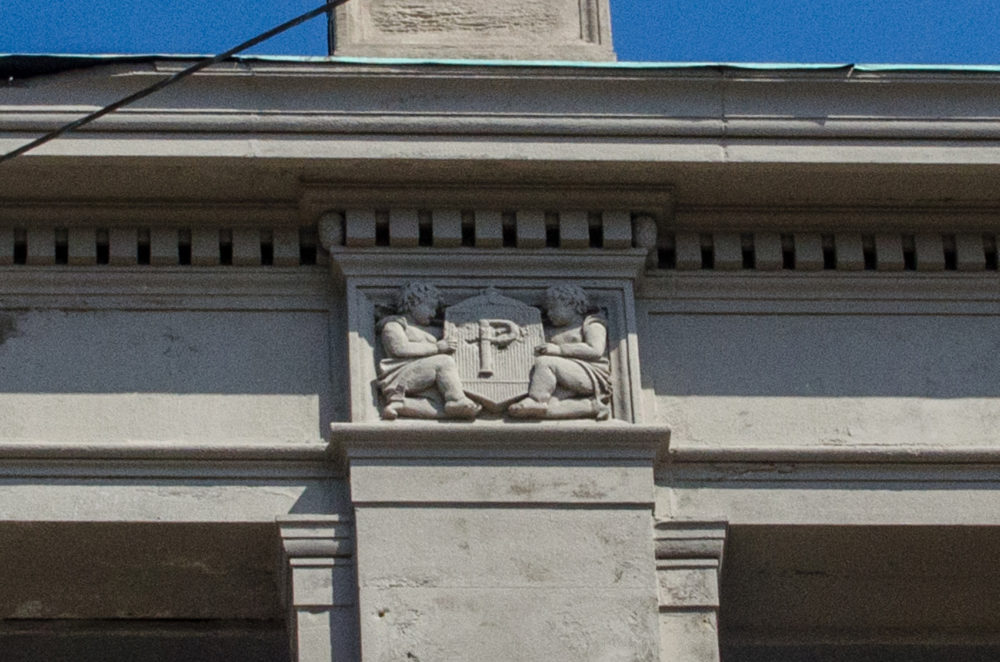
[
  {"x": 415, "y": 379},
  {"x": 456, "y": 404},
  {"x": 551, "y": 372},
  {"x": 412, "y": 408},
  {"x": 578, "y": 408},
  {"x": 548, "y": 374}
]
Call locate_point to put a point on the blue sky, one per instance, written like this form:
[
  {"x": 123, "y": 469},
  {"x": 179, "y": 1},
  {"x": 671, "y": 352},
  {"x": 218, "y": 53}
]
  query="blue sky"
[{"x": 856, "y": 31}]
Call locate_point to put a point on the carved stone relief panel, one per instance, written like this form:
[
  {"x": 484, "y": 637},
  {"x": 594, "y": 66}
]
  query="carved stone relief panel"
[{"x": 491, "y": 353}]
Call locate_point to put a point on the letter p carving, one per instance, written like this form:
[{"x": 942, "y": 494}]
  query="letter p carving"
[{"x": 492, "y": 334}]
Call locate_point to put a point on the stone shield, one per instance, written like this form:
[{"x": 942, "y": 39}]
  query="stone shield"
[{"x": 497, "y": 337}]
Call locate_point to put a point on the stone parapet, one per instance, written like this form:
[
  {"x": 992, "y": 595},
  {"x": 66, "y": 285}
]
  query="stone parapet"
[{"x": 480, "y": 29}]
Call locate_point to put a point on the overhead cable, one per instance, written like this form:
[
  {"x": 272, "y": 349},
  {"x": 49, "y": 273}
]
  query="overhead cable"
[{"x": 170, "y": 80}]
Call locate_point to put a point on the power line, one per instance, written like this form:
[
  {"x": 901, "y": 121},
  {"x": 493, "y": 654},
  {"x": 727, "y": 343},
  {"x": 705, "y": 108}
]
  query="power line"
[{"x": 170, "y": 80}]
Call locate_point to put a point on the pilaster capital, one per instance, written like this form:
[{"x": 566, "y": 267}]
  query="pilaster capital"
[
  {"x": 316, "y": 536},
  {"x": 685, "y": 539}
]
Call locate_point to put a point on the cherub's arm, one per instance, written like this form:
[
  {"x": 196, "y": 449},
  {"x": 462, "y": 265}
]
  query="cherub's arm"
[
  {"x": 398, "y": 345},
  {"x": 595, "y": 343}
]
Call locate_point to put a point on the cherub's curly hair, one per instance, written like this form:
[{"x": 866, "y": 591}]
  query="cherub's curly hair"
[
  {"x": 571, "y": 295},
  {"x": 412, "y": 293}
]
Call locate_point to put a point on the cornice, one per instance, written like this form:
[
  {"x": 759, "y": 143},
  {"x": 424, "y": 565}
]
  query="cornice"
[
  {"x": 595, "y": 124},
  {"x": 581, "y": 440},
  {"x": 820, "y": 292},
  {"x": 167, "y": 460},
  {"x": 490, "y": 265},
  {"x": 162, "y": 213},
  {"x": 867, "y": 455},
  {"x": 320, "y": 196},
  {"x": 344, "y": 99}
]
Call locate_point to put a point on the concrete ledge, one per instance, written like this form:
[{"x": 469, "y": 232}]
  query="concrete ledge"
[
  {"x": 836, "y": 454},
  {"x": 584, "y": 440},
  {"x": 163, "y": 451},
  {"x": 486, "y": 263}
]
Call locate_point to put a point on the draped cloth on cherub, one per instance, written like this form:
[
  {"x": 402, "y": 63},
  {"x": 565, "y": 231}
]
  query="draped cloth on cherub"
[
  {"x": 599, "y": 370},
  {"x": 391, "y": 368}
]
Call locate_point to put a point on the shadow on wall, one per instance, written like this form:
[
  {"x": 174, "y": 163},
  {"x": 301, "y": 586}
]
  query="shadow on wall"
[
  {"x": 179, "y": 374},
  {"x": 164, "y": 352},
  {"x": 860, "y": 594},
  {"x": 823, "y": 356}
]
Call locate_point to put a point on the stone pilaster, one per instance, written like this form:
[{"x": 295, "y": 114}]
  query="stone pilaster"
[
  {"x": 320, "y": 587},
  {"x": 504, "y": 542},
  {"x": 688, "y": 566}
]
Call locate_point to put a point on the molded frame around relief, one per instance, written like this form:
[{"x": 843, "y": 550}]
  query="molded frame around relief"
[
  {"x": 369, "y": 298},
  {"x": 355, "y": 33}
]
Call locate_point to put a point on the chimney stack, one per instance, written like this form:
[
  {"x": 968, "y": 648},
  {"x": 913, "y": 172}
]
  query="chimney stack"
[{"x": 474, "y": 29}]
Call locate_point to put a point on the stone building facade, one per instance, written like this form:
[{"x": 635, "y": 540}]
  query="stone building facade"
[{"x": 790, "y": 454}]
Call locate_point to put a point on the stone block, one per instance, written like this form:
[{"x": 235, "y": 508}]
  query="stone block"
[
  {"x": 767, "y": 251},
  {"x": 246, "y": 247},
  {"x": 728, "y": 251},
  {"x": 446, "y": 227},
  {"x": 889, "y": 252},
  {"x": 929, "y": 251},
  {"x": 808, "y": 251},
  {"x": 82, "y": 248},
  {"x": 489, "y": 229},
  {"x": 530, "y": 229},
  {"x": 323, "y": 582},
  {"x": 850, "y": 251},
  {"x": 286, "y": 248},
  {"x": 574, "y": 229},
  {"x": 617, "y": 227},
  {"x": 163, "y": 247},
  {"x": 556, "y": 548},
  {"x": 520, "y": 30},
  {"x": 122, "y": 246},
  {"x": 41, "y": 246},
  {"x": 502, "y": 624},
  {"x": 404, "y": 228}
]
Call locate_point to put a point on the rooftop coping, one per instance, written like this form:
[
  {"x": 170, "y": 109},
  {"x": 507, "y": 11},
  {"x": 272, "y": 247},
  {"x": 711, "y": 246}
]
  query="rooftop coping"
[{"x": 26, "y": 65}]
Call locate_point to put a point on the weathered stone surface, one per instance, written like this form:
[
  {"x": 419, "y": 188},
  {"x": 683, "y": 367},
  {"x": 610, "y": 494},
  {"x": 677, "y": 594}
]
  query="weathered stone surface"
[
  {"x": 522, "y": 29},
  {"x": 504, "y": 624},
  {"x": 237, "y": 377}
]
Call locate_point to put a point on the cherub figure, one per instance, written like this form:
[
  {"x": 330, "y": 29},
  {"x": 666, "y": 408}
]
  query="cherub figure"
[
  {"x": 419, "y": 378},
  {"x": 571, "y": 376}
]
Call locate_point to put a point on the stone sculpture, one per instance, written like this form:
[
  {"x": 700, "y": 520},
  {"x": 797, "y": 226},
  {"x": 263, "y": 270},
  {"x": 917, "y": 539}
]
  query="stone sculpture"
[
  {"x": 571, "y": 375},
  {"x": 497, "y": 339},
  {"x": 418, "y": 377},
  {"x": 495, "y": 354}
]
